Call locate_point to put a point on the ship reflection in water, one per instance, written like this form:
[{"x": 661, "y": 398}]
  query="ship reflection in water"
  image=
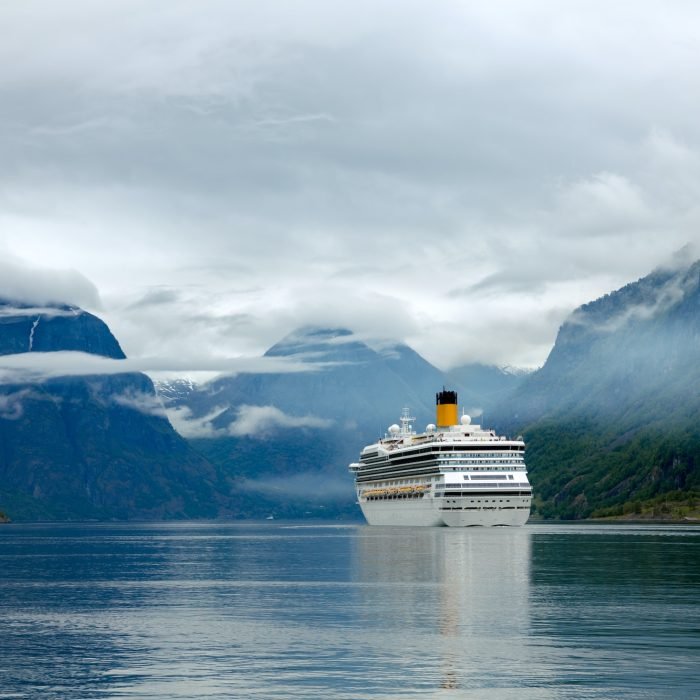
[
  {"x": 564, "y": 611},
  {"x": 462, "y": 593}
]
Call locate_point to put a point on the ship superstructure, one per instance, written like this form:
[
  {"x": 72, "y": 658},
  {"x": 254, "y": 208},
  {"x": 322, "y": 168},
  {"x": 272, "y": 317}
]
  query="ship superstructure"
[{"x": 455, "y": 473}]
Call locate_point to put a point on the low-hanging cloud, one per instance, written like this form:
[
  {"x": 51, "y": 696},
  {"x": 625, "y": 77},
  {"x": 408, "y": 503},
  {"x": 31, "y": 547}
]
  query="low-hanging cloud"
[
  {"x": 659, "y": 300},
  {"x": 12, "y": 405},
  {"x": 191, "y": 426},
  {"x": 9, "y": 311},
  {"x": 302, "y": 485},
  {"x": 22, "y": 282},
  {"x": 259, "y": 420},
  {"x": 33, "y": 367},
  {"x": 142, "y": 402},
  {"x": 249, "y": 421}
]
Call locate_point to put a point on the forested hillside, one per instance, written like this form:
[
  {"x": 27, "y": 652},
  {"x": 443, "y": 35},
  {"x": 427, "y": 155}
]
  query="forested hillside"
[{"x": 612, "y": 419}]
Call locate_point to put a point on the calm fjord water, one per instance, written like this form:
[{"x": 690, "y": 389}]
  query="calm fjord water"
[{"x": 301, "y": 610}]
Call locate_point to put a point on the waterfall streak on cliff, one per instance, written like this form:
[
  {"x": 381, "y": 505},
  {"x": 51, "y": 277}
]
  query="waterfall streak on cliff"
[{"x": 31, "y": 333}]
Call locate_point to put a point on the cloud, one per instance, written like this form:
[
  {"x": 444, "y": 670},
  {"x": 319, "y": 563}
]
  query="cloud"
[
  {"x": 8, "y": 311},
  {"x": 149, "y": 404},
  {"x": 658, "y": 299},
  {"x": 398, "y": 171},
  {"x": 11, "y": 405},
  {"x": 298, "y": 485},
  {"x": 189, "y": 426},
  {"x": 250, "y": 421},
  {"x": 37, "y": 366},
  {"x": 682, "y": 258},
  {"x": 604, "y": 203},
  {"x": 259, "y": 420},
  {"x": 251, "y": 320},
  {"x": 157, "y": 297},
  {"x": 22, "y": 282}
]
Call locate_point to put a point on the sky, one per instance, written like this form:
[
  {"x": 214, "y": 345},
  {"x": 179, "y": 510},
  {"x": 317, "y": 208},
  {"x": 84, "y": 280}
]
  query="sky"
[{"x": 208, "y": 176}]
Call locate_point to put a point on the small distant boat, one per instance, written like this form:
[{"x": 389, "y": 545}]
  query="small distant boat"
[
  {"x": 270, "y": 517},
  {"x": 455, "y": 473}
]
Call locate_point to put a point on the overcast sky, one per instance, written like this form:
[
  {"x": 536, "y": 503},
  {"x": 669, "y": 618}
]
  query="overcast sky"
[{"x": 208, "y": 176}]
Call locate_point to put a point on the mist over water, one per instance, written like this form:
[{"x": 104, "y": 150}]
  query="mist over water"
[{"x": 302, "y": 610}]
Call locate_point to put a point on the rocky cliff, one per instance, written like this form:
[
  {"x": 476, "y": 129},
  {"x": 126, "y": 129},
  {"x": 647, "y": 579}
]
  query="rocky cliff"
[{"x": 90, "y": 446}]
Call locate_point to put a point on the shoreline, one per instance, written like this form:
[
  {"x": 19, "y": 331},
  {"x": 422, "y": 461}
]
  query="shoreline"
[
  {"x": 641, "y": 521},
  {"x": 612, "y": 520},
  {"x": 619, "y": 520}
]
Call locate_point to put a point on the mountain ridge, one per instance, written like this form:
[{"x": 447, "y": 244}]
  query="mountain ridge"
[
  {"x": 30, "y": 328},
  {"x": 611, "y": 417},
  {"x": 272, "y": 428},
  {"x": 95, "y": 446}
]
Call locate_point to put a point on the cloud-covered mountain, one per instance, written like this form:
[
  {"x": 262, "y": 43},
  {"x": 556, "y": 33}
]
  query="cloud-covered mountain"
[
  {"x": 290, "y": 436},
  {"x": 95, "y": 446},
  {"x": 52, "y": 328},
  {"x": 99, "y": 445},
  {"x": 612, "y": 416},
  {"x": 635, "y": 348},
  {"x": 484, "y": 386}
]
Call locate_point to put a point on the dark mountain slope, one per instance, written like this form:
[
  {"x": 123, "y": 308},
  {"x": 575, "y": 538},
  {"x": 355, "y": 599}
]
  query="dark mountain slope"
[
  {"x": 25, "y": 328},
  {"x": 93, "y": 446}
]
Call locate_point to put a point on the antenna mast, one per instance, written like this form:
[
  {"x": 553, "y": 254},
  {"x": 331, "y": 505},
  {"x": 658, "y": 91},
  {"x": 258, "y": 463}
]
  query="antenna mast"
[{"x": 406, "y": 422}]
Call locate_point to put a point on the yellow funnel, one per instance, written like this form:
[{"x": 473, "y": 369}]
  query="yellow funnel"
[{"x": 447, "y": 413}]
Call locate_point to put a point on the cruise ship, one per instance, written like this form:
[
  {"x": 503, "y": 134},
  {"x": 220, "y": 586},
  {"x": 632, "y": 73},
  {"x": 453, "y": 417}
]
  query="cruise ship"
[{"x": 455, "y": 473}]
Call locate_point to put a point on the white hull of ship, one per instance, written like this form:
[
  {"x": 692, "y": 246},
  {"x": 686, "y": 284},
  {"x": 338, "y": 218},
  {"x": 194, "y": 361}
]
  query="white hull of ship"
[
  {"x": 432, "y": 512},
  {"x": 399, "y": 512}
]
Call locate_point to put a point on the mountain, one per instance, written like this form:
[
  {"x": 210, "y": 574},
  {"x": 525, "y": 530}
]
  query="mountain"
[
  {"x": 356, "y": 384},
  {"x": 286, "y": 438},
  {"x": 611, "y": 420},
  {"x": 26, "y": 328},
  {"x": 102, "y": 447},
  {"x": 90, "y": 446},
  {"x": 175, "y": 391},
  {"x": 481, "y": 387}
]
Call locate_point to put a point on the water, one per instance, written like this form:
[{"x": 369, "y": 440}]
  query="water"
[{"x": 275, "y": 610}]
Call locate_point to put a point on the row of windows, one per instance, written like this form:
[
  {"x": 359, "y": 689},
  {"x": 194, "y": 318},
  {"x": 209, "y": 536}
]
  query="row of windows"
[
  {"x": 489, "y": 485},
  {"x": 467, "y": 448},
  {"x": 458, "y": 494},
  {"x": 486, "y": 508},
  {"x": 494, "y": 450},
  {"x": 469, "y": 462},
  {"x": 463, "y": 466},
  {"x": 466, "y": 463},
  {"x": 482, "y": 477},
  {"x": 395, "y": 497},
  {"x": 376, "y": 474},
  {"x": 407, "y": 496}
]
